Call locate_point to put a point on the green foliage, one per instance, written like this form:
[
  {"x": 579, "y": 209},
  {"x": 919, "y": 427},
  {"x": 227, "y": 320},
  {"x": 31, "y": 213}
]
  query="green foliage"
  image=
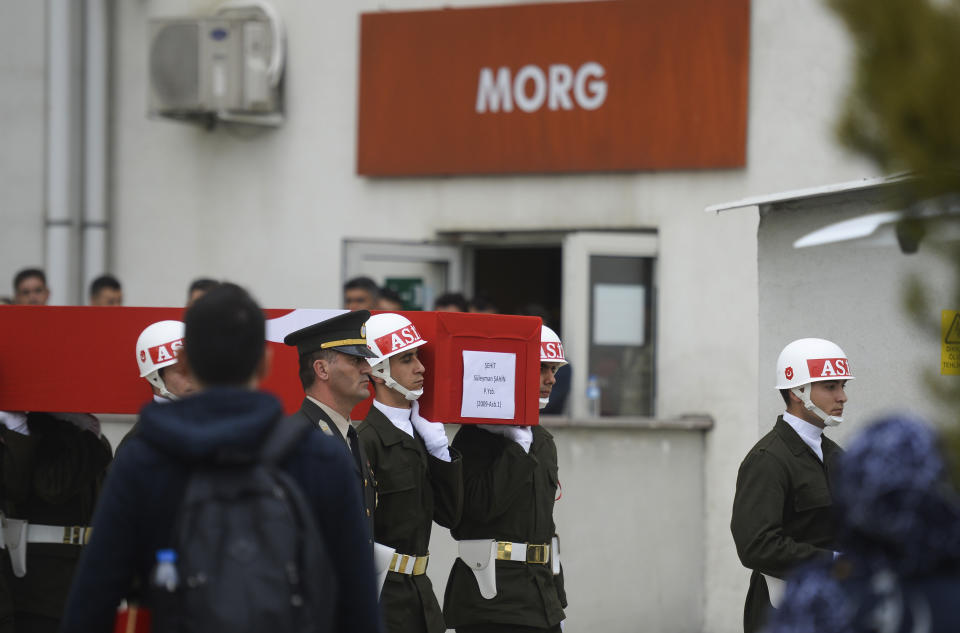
[
  {"x": 903, "y": 113},
  {"x": 903, "y": 110}
]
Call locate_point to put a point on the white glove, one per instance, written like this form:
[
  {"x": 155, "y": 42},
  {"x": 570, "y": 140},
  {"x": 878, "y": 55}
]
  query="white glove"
[
  {"x": 433, "y": 434},
  {"x": 16, "y": 421},
  {"x": 522, "y": 435},
  {"x": 83, "y": 421}
]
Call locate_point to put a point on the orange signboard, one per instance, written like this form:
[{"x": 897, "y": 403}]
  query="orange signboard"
[{"x": 556, "y": 87}]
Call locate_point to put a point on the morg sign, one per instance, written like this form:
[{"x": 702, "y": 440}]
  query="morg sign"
[{"x": 557, "y": 87}]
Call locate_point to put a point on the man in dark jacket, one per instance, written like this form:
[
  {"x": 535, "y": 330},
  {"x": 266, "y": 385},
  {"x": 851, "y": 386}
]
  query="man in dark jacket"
[
  {"x": 782, "y": 509},
  {"x": 335, "y": 376},
  {"x": 420, "y": 480},
  {"x": 224, "y": 350}
]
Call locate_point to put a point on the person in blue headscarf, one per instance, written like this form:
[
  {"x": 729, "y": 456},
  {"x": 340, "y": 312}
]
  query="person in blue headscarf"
[{"x": 899, "y": 519}]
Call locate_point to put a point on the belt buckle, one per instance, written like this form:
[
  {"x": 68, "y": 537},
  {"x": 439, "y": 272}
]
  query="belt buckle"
[
  {"x": 420, "y": 566},
  {"x": 538, "y": 553},
  {"x": 74, "y": 535}
]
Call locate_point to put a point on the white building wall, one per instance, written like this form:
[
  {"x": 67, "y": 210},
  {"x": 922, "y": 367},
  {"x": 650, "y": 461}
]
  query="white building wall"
[
  {"x": 854, "y": 293},
  {"x": 22, "y": 102},
  {"x": 270, "y": 211}
]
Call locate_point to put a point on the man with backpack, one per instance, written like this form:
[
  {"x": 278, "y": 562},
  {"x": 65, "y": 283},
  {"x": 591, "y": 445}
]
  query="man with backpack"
[{"x": 262, "y": 516}]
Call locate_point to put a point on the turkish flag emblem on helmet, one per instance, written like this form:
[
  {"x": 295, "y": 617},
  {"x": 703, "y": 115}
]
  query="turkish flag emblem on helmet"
[{"x": 789, "y": 373}]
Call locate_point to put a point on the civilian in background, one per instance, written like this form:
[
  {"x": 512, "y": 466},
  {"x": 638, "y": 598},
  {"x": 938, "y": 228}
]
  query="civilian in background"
[
  {"x": 483, "y": 305},
  {"x": 105, "y": 290},
  {"x": 200, "y": 287},
  {"x": 389, "y": 300},
  {"x": 451, "y": 302},
  {"x": 360, "y": 293},
  {"x": 30, "y": 288}
]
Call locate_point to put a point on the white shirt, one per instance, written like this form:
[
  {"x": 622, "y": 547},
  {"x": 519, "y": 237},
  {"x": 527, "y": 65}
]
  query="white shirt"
[
  {"x": 399, "y": 417},
  {"x": 810, "y": 434},
  {"x": 342, "y": 423}
]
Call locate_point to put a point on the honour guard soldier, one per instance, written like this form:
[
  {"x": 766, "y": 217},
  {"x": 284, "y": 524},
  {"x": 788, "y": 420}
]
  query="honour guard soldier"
[
  {"x": 508, "y": 575},
  {"x": 157, "y": 348},
  {"x": 51, "y": 469},
  {"x": 782, "y": 508},
  {"x": 335, "y": 376},
  {"x": 419, "y": 478}
]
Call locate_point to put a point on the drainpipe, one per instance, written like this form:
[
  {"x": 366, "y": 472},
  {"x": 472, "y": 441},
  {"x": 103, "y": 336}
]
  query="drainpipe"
[
  {"x": 60, "y": 225},
  {"x": 95, "y": 227}
]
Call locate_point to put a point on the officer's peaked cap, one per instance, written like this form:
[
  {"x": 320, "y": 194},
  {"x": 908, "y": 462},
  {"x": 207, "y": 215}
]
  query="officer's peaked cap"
[{"x": 345, "y": 333}]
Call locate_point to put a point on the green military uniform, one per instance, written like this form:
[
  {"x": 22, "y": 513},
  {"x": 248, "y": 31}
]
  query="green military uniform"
[
  {"x": 415, "y": 490},
  {"x": 316, "y": 416},
  {"x": 782, "y": 511},
  {"x": 508, "y": 496},
  {"x": 50, "y": 477}
]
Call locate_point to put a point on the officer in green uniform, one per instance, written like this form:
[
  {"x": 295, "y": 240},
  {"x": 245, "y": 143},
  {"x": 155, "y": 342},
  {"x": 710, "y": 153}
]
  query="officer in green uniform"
[
  {"x": 782, "y": 508},
  {"x": 419, "y": 478},
  {"x": 508, "y": 575},
  {"x": 335, "y": 376},
  {"x": 51, "y": 468}
]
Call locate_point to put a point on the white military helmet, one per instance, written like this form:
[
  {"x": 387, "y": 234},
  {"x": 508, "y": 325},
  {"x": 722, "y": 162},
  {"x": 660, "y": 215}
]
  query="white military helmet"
[
  {"x": 389, "y": 334},
  {"x": 809, "y": 360},
  {"x": 551, "y": 351},
  {"x": 157, "y": 348}
]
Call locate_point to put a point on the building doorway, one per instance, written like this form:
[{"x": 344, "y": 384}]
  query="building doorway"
[{"x": 520, "y": 280}]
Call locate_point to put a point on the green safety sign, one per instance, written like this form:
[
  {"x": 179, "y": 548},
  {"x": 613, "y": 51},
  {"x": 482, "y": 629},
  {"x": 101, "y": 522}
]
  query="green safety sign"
[{"x": 410, "y": 290}]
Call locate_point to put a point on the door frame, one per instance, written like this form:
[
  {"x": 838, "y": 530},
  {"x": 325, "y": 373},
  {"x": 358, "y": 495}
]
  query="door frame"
[{"x": 578, "y": 247}]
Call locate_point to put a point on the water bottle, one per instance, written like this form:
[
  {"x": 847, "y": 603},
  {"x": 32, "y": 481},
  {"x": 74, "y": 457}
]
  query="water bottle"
[
  {"x": 165, "y": 576},
  {"x": 593, "y": 396},
  {"x": 164, "y": 581}
]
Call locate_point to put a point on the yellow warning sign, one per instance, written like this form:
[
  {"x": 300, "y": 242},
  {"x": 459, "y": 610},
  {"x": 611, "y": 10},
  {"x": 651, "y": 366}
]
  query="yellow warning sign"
[{"x": 950, "y": 348}]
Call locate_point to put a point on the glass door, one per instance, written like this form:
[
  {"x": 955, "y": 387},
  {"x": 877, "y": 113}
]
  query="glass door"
[{"x": 609, "y": 326}]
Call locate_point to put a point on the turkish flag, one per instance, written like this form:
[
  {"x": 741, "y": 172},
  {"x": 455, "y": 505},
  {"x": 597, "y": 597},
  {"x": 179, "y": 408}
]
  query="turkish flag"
[{"x": 81, "y": 358}]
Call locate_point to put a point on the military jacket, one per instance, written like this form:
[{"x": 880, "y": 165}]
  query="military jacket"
[
  {"x": 50, "y": 477},
  {"x": 415, "y": 489},
  {"x": 508, "y": 496},
  {"x": 782, "y": 511},
  {"x": 368, "y": 485}
]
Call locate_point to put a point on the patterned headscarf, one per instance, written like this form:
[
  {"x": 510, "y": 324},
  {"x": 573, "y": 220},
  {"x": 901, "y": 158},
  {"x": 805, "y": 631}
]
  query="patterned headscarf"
[
  {"x": 899, "y": 518},
  {"x": 894, "y": 499}
]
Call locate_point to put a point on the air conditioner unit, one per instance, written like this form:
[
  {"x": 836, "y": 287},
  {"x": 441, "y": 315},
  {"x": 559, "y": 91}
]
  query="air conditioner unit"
[{"x": 225, "y": 67}]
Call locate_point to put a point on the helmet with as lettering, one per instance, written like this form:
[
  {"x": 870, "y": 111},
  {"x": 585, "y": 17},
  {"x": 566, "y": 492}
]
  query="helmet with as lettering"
[
  {"x": 157, "y": 347},
  {"x": 551, "y": 349},
  {"x": 389, "y": 334},
  {"x": 809, "y": 360}
]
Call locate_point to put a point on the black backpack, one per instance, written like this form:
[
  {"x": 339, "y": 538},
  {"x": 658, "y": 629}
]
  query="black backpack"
[{"x": 249, "y": 554}]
